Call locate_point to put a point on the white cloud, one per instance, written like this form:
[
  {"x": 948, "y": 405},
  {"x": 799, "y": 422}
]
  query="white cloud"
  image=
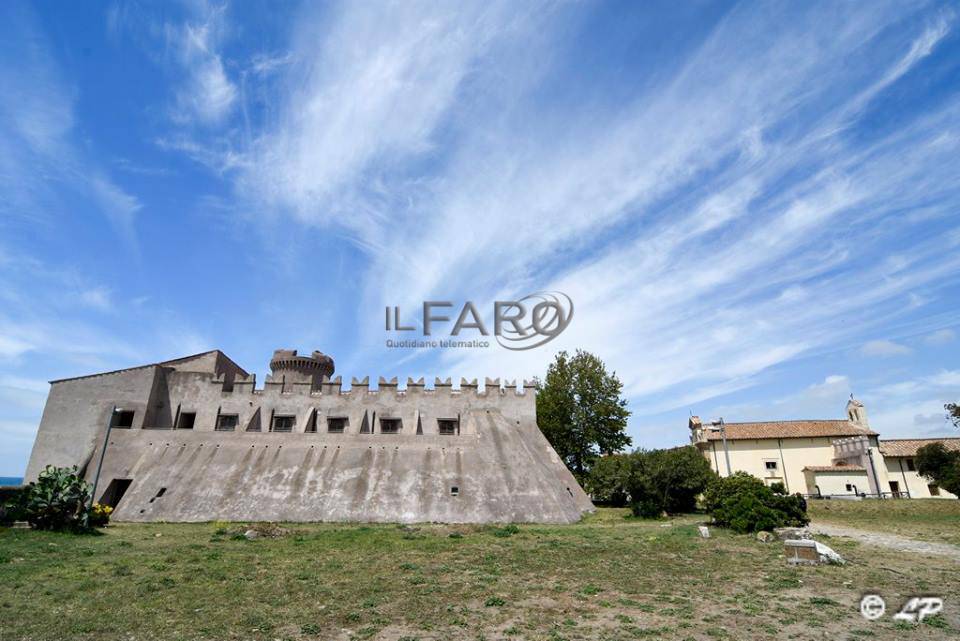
[
  {"x": 97, "y": 297},
  {"x": 940, "y": 337},
  {"x": 884, "y": 348}
]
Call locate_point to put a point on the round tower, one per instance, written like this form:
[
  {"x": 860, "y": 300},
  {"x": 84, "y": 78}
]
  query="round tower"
[{"x": 289, "y": 367}]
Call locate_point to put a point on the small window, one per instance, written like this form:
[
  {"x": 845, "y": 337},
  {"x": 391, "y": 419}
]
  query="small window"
[
  {"x": 283, "y": 423},
  {"x": 454, "y": 491},
  {"x": 186, "y": 421},
  {"x": 910, "y": 466},
  {"x": 849, "y": 488},
  {"x": 390, "y": 425},
  {"x": 448, "y": 426},
  {"x": 123, "y": 419},
  {"x": 227, "y": 422},
  {"x": 934, "y": 489},
  {"x": 336, "y": 425},
  {"x": 771, "y": 465}
]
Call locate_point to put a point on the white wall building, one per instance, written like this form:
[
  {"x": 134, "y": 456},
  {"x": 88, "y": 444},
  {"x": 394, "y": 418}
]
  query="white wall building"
[{"x": 835, "y": 457}]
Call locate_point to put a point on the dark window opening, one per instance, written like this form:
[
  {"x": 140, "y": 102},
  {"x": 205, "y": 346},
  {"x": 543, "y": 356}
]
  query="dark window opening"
[
  {"x": 283, "y": 423},
  {"x": 390, "y": 425},
  {"x": 159, "y": 493},
  {"x": 186, "y": 420},
  {"x": 227, "y": 422},
  {"x": 910, "y": 466},
  {"x": 123, "y": 419},
  {"x": 454, "y": 491},
  {"x": 448, "y": 426},
  {"x": 892, "y": 487},
  {"x": 771, "y": 465},
  {"x": 336, "y": 425},
  {"x": 114, "y": 492}
]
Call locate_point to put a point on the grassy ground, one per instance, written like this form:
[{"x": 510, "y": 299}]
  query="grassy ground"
[
  {"x": 924, "y": 519},
  {"x": 609, "y": 577}
]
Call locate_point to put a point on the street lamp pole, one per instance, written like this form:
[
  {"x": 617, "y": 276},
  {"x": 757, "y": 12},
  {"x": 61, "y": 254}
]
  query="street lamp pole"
[{"x": 719, "y": 427}]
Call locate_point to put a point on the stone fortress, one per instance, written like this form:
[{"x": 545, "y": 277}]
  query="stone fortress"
[{"x": 193, "y": 439}]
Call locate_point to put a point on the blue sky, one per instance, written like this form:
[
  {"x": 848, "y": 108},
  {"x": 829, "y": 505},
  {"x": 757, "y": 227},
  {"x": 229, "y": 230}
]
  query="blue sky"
[{"x": 755, "y": 207}]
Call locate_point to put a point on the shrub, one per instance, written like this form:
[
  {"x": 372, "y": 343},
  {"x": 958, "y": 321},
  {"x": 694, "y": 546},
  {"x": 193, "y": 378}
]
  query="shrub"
[
  {"x": 11, "y": 506},
  {"x": 744, "y": 504},
  {"x": 58, "y": 500},
  {"x": 667, "y": 480},
  {"x": 940, "y": 465},
  {"x": 100, "y": 515},
  {"x": 608, "y": 480}
]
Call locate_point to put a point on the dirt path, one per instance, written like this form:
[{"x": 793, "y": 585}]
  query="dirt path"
[{"x": 891, "y": 541}]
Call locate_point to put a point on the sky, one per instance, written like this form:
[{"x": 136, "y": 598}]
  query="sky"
[{"x": 755, "y": 208}]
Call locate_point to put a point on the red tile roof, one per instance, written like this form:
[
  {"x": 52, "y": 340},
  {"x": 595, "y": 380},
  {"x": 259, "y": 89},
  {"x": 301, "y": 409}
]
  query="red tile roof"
[
  {"x": 790, "y": 429},
  {"x": 909, "y": 446},
  {"x": 834, "y": 468}
]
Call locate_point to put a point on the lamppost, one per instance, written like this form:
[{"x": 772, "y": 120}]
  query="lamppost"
[
  {"x": 103, "y": 450},
  {"x": 718, "y": 426}
]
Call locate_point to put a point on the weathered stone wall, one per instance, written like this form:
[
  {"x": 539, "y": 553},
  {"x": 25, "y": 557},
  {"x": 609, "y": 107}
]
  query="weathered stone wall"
[{"x": 499, "y": 468}]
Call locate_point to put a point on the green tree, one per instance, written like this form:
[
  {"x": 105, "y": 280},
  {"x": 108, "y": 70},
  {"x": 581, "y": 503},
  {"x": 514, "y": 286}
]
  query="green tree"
[
  {"x": 580, "y": 411},
  {"x": 953, "y": 413},
  {"x": 608, "y": 480},
  {"x": 941, "y": 465},
  {"x": 667, "y": 480}
]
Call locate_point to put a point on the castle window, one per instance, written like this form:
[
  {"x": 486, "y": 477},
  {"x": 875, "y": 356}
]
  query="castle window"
[
  {"x": 283, "y": 423},
  {"x": 390, "y": 425},
  {"x": 910, "y": 466},
  {"x": 448, "y": 426},
  {"x": 227, "y": 422},
  {"x": 454, "y": 491},
  {"x": 123, "y": 419},
  {"x": 336, "y": 425},
  {"x": 186, "y": 420}
]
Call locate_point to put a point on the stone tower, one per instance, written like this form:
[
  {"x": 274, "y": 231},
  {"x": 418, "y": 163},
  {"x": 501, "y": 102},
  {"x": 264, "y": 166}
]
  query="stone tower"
[
  {"x": 287, "y": 367},
  {"x": 857, "y": 413}
]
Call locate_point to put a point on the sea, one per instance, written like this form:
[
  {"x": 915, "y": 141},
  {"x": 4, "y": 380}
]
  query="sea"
[{"x": 11, "y": 480}]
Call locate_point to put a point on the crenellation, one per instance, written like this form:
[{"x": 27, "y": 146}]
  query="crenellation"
[{"x": 291, "y": 415}]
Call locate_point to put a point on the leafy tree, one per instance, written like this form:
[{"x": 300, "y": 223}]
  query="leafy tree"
[
  {"x": 942, "y": 466},
  {"x": 953, "y": 413},
  {"x": 743, "y": 503},
  {"x": 608, "y": 479},
  {"x": 667, "y": 480},
  {"x": 580, "y": 411}
]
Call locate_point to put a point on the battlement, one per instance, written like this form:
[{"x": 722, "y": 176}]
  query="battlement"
[{"x": 328, "y": 386}]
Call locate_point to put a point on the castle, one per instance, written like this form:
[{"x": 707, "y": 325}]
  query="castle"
[{"x": 193, "y": 439}]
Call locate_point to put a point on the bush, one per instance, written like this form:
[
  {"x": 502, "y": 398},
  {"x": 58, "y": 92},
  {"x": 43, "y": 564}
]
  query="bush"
[
  {"x": 608, "y": 480},
  {"x": 667, "y": 480},
  {"x": 58, "y": 500},
  {"x": 100, "y": 515},
  {"x": 940, "y": 465},
  {"x": 744, "y": 504},
  {"x": 11, "y": 505}
]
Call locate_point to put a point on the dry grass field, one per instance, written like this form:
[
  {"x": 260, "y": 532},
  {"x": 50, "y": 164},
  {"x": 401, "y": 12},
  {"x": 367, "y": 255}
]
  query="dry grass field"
[
  {"x": 924, "y": 519},
  {"x": 609, "y": 577}
]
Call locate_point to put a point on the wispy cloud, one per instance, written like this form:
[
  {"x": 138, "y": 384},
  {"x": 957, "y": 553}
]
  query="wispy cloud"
[
  {"x": 884, "y": 348},
  {"x": 940, "y": 337},
  {"x": 711, "y": 226},
  {"x": 207, "y": 95}
]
